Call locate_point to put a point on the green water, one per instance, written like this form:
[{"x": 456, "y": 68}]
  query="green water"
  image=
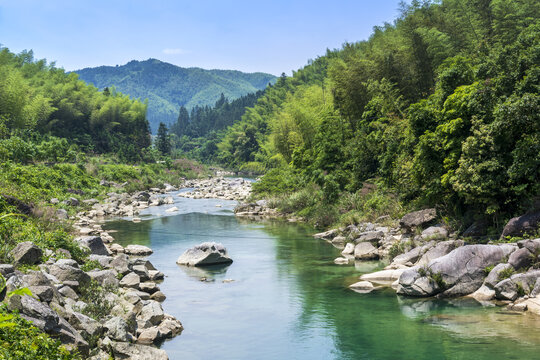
[{"x": 289, "y": 301}]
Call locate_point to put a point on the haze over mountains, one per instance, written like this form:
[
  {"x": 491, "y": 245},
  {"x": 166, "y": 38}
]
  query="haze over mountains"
[{"x": 167, "y": 86}]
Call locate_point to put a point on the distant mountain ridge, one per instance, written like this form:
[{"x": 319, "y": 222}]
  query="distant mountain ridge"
[{"x": 167, "y": 86}]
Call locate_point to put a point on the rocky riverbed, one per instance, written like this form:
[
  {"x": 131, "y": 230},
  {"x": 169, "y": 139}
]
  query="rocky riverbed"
[{"x": 427, "y": 261}]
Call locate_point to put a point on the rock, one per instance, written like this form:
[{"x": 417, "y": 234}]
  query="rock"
[
  {"x": 521, "y": 258},
  {"x": 116, "y": 248},
  {"x": 533, "y": 305},
  {"x": 484, "y": 293},
  {"x": 341, "y": 261},
  {"x": 434, "y": 233},
  {"x": 156, "y": 275},
  {"x": 94, "y": 244},
  {"x": 122, "y": 350},
  {"x": 148, "y": 287},
  {"x": 120, "y": 263},
  {"x": 104, "y": 277},
  {"x": 370, "y": 236},
  {"x": 441, "y": 249},
  {"x": 410, "y": 256},
  {"x": 173, "y": 209},
  {"x": 68, "y": 292},
  {"x": 131, "y": 280},
  {"x": 170, "y": 327},
  {"x": 69, "y": 273},
  {"x": 383, "y": 276},
  {"x": 461, "y": 272},
  {"x": 417, "y": 218},
  {"x": 536, "y": 289},
  {"x": 26, "y": 253},
  {"x": 493, "y": 277},
  {"x": 43, "y": 292},
  {"x": 339, "y": 240},
  {"x": 327, "y": 235},
  {"x": 142, "y": 271},
  {"x": 54, "y": 201},
  {"x": 72, "y": 201},
  {"x": 138, "y": 250},
  {"x": 349, "y": 249},
  {"x": 61, "y": 214},
  {"x": 517, "y": 285},
  {"x": 362, "y": 287},
  {"x": 169, "y": 187},
  {"x": 103, "y": 260},
  {"x": 533, "y": 245},
  {"x": 158, "y": 296},
  {"x": 152, "y": 312},
  {"x": 41, "y": 315},
  {"x": 365, "y": 251},
  {"x": 70, "y": 337},
  {"x": 520, "y": 225},
  {"x": 116, "y": 328},
  {"x": 208, "y": 253},
  {"x": 6, "y": 269},
  {"x": 68, "y": 262},
  {"x": 86, "y": 325},
  {"x": 150, "y": 336}
]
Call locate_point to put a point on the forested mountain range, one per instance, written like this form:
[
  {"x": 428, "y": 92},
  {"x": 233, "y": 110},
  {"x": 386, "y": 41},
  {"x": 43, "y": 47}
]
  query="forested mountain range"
[{"x": 167, "y": 86}]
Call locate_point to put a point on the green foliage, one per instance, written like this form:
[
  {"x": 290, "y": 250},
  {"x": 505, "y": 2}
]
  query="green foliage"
[
  {"x": 19, "y": 339},
  {"x": 163, "y": 141},
  {"x": 94, "y": 295},
  {"x": 91, "y": 265},
  {"x": 506, "y": 273},
  {"x": 168, "y": 87}
]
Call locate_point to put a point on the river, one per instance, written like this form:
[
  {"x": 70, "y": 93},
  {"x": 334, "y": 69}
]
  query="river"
[{"x": 284, "y": 298}]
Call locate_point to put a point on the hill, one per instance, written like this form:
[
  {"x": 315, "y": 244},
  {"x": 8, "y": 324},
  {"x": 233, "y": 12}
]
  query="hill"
[{"x": 167, "y": 86}]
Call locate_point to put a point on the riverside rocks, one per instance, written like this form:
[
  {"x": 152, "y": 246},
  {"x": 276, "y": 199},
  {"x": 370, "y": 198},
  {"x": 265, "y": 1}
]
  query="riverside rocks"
[
  {"x": 207, "y": 253},
  {"x": 26, "y": 253},
  {"x": 417, "y": 218},
  {"x": 218, "y": 188}
]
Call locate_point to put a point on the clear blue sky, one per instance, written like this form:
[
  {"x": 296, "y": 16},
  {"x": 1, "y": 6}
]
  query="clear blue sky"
[{"x": 248, "y": 35}]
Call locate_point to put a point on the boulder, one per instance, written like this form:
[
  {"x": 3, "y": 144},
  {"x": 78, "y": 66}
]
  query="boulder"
[
  {"x": 68, "y": 262},
  {"x": 362, "y": 287},
  {"x": 104, "y": 277},
  {"x": 40, "y": 314},
  {"x": 533, "y": 245},
  {"x": 44, "y": 293},
  {"x": 327, "y": 235},
  {"x": 341, "y": 261},
  {"x": 116, "y": 328},
  {"x": 383, "y": 276},
  {"x": 339, "y": 240},
  {"x": 6, "y": 269},
  {"x": 103, "y": 260},
  {"x": 520, "y": 225},
  {"x": 493, "y": 277},
  {"x": 131, "y": 280},
  {"x": 94, "y": 244},
  {"x": 484, "y": 293},
  {"x": 68, "y": 292},
  {"x": 152, "y": 313},
  {"x": 62, "y": 214},
  {"x": 365, "y": 251},
  {"x": 26, "y": 253},
  {"x": 521, "y": 258},
  {"x": 120, "y": 263},
  {"x": 461, "y": 272},
  {"x": 142, "y": 271},
  {"x": 158, "y": 296},
  {"x": 517, "y": 285},
  {"x": 170, "y": 326},
  {"x": 434, "y": 233},
  {"x": 172, "y": 209},
  {"x": 208, "y": 253},
  {"x": 150, "y": 336},
  {"x": 122, "y": 350},
  {"x": 417, "y": 218},
  {"x": 66, "y": 273},
  {"x": 349, "y": 249},
  {"x": 440, "y": 249},
  {"x": 138, "y": 250},
  {"x": 370, "y": 236}
]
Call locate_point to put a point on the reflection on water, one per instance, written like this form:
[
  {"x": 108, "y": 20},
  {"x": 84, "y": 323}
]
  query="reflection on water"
[
  {"x": 207, "y": 273},
  {"x": 289, "y": 300}
]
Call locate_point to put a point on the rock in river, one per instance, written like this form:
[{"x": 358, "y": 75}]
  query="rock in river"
[{"x": 207, "y": 253}]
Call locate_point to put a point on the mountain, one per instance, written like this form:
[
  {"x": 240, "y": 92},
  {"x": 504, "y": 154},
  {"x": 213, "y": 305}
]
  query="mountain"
[{"x": 167, "y": 86}]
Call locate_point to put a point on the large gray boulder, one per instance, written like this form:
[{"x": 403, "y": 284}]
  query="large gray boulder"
[
  {"x": 40, "y": 314},
  {"x": 365, "y": 251},
  {"x": 517, "y": 285},
  {"x": 371, "y": 236},
  {"x": 493, "y": 277},
  {"x": 122, "y": 350},
  {"x": 461, "y": 272},
  {"x": 152, "y": 312},
  {"x": 26, "y": 253},
  {"x": 520, "y": 225},
  {"x": 440, "y": 249},
  {"x": 138, "y": 250},
  {"x": 413, "y": 255},
  {"x": 69, "y": 273},
  {"x": 208, "y": 253},
  {"x": 104, "y": 277},
  {"x": 94, "y": 244},
  {"x": 521, "y": 258},
  {"x": 116, "y": 328},
  {"x": 434, "y": 233},
  {"x": 417, "y": 218},
  {"x": 131, "y": 280}
]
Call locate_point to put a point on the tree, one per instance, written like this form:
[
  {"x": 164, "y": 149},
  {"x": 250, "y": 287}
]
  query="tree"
[{"x": 163, "y": 142}]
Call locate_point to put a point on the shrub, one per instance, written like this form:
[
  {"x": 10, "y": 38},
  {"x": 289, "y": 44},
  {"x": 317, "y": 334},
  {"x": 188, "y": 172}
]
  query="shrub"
[
  {"x": 94, "y": 295},
  {"x": 505, "y": 273}
]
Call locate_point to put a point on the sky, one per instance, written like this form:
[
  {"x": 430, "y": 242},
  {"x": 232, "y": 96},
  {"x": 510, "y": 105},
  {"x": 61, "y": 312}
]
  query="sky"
[{"x": 268, "y": 36}]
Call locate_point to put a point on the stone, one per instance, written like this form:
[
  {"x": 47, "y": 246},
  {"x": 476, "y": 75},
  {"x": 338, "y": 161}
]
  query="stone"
[
  {"x": 339, "y": 240},
  {"x": 461, "y": 272},
  {"x": 120, "y": 263},
  {"x": 68, "y": 262},
  {"x": 536, "y": 289},
  {"x": 520, "y": 225},
  {"x": 26, "y": 253},
  {"x": 72, "y": 201},
  {"x": 116, "y": 248},
  {"x": 152, "y": 312},
  {"x": 207, "y": 253},
  {"x": 70, "y": 337},
  {"x": 440, "y": 249},
  {"x": 148, "y": 287},
  {"x": 68, "y": 292},
  {"x": 43, "y": 292},
  {"x": 138, "y": 250},
  {"x": 94, "y": 244},
  {"x": 62, "y": 214},
  {"x": 370, "y": 236},
  {"x": 327, "y": 235},
  {"x": 103, "y": 260},
  {"x": 158, "y": 296},
  {"x": 365, "y": 251},
  {"x": 122, "y": 350},
  {"x": 116, "y": 328},
  {"x": 150, "y": 336},
  {"x": 533, "y": 245},
  {"x": 341, "y": 261},
  {"x": 131, "y": 280},
  {"x": 362, "y": 287},
  {"x": 417, "y": 218},
  {"x": 170, "y": 326},
  {"x": 69, "y": 273},
  {"x": 104, "y": 277},
  {"x": 521, "y": 258},
  {"x": 41, "y": 315},
  {"x": 86, "y": 325},
  {"x": 493, "y": 277},
  {"x": 484, "y": 293},
  {"x": 172, "y": 209},
  {"x": 434, "y": 233},
  {"x": 383, "y": 276},
  {"x": 6, "y": 269},
  {"x": 142, "y": 271},
  {"x": 156, "y": 275},
  {"x": 517, "y": 285},
  {"x": 54, "y": 201},
  {"x": 349, "y": 249}
]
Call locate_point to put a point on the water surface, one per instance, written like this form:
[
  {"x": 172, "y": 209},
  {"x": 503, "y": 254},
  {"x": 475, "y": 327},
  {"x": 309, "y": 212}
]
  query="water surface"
[{"x": 288, "y": 300}]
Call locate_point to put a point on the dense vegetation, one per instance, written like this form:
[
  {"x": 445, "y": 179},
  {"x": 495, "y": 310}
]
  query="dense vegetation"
[
  {"x": 167, "y": 87},
  {"x": 197, "y": 134},
  {"x": 439, "y": 108}
]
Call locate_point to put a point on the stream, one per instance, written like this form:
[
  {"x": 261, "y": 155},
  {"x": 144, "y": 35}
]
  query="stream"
[{"x": 284, "y": 298}]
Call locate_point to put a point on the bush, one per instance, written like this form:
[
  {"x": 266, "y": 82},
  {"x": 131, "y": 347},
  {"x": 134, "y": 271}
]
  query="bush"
[{"x": 94, "y": 295}]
